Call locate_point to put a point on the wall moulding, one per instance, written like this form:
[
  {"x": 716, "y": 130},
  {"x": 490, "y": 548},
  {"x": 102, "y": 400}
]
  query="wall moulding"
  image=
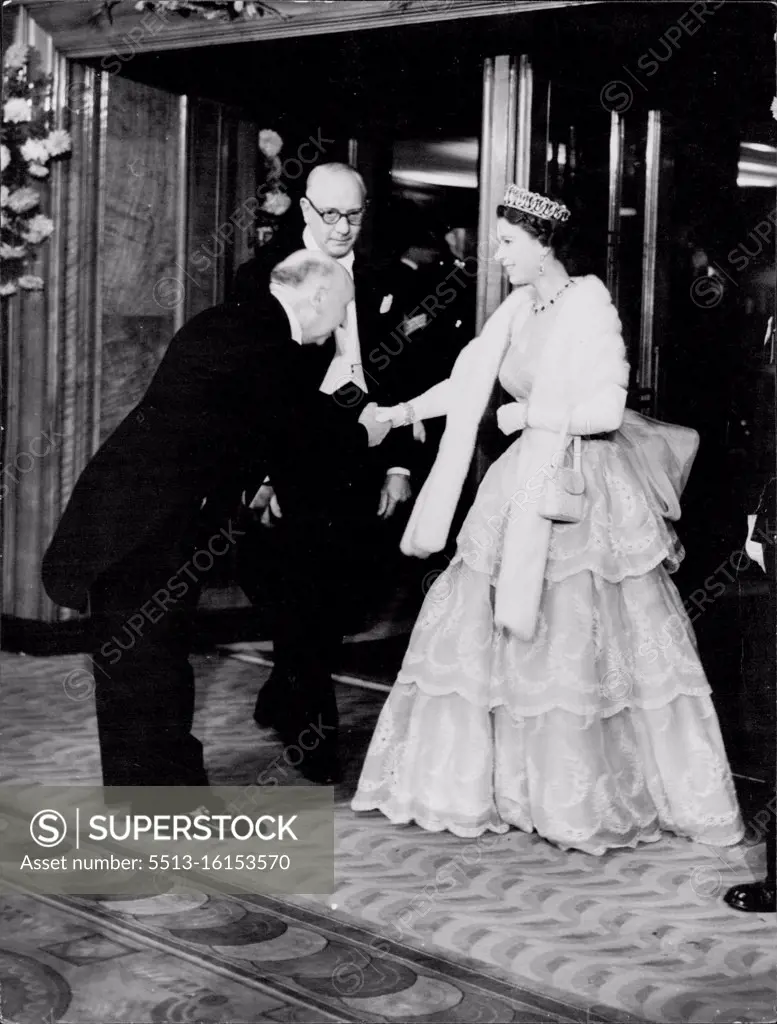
[{"x": 75, "y": 36}]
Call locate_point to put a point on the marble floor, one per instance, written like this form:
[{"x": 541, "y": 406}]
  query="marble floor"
[{"x": 523, "y": 932}]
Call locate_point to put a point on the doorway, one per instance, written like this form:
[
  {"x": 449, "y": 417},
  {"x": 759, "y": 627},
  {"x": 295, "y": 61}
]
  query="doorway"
[{"x": 666, "y": 183}]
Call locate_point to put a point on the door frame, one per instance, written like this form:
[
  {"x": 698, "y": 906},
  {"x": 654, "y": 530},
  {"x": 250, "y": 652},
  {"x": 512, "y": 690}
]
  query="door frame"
[{"x": 52, "y": 339}]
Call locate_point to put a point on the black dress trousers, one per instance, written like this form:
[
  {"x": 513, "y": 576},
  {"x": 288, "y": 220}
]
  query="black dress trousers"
[{"x": 142, "y": 616}]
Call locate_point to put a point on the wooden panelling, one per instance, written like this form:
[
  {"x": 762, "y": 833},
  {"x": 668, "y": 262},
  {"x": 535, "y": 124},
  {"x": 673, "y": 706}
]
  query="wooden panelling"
[
  {"x": 33, "y": 439},
  {"x": 244, "y": 156},
  {"x": 78, "y": 356},
  {"x": 138, "y": 277},
  {"x": 80, "y": 366},
  {"x": 222, "y": 182},
  {"x": 204, "y": 270}
]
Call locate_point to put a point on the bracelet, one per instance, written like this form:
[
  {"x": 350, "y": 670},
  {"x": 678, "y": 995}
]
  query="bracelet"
[{"x": 409, "y": 414}]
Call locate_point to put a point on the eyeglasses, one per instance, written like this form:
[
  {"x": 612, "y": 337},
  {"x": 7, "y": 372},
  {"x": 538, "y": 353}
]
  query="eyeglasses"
[{"x": 330, "y": 216}]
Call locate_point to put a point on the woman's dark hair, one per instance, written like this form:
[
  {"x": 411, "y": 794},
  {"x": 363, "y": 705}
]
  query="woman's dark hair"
[{"x": 541, "y": 228}]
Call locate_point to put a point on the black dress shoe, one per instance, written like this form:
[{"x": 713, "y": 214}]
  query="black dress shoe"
[{"x": 753, "y": 897}]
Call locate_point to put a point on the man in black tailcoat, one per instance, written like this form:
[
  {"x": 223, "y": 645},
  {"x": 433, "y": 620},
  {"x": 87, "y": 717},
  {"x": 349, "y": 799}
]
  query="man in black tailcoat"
[
  {"x": 333, "y": 209},
  {"x": 156, "y": 506}
]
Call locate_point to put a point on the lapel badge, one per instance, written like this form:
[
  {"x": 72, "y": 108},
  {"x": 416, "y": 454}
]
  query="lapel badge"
[{"x": 385, "y": 305}]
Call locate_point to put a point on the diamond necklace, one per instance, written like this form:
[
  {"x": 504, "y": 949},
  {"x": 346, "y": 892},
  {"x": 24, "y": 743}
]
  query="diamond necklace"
[{"x": 538, "y": 309}]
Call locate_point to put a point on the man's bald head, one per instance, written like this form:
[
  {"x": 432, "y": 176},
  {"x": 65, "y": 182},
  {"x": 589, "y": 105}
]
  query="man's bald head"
[
  {"x": 306, "y": 269},
  {"x": 325, "y": 177},
  {"x": 317, "y": 288},
  {"x": 333, "y": 187}
]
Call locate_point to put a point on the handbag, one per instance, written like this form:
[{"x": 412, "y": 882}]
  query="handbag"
[{"x": 563, "y": 499}]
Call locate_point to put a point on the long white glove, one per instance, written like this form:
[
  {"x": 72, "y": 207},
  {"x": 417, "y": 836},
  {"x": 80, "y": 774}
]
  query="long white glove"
[
  {"x": 512, "y": 417},
  {"x": 596, "y": 415},
  {"x": 431, "y": 403},
  {"x": 396, "y": 415}
]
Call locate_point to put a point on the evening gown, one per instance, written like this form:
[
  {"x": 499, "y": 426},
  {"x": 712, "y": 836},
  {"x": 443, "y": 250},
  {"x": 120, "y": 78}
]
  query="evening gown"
[{"x": 598, "y": 733}]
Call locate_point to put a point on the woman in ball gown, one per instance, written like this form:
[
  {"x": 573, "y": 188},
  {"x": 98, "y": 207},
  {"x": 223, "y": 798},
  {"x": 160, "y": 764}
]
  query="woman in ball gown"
[{"x": 552, "y": 682}]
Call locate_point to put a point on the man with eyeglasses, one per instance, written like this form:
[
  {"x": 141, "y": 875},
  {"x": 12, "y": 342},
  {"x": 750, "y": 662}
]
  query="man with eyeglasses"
[{"x": 333, "y": 209}]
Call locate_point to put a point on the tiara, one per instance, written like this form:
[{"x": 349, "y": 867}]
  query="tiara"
[{"x": 535, "y": 203}]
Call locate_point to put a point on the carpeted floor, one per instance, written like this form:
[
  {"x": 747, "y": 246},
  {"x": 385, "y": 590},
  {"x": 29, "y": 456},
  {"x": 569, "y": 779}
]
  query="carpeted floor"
[{"x": 518, "y": 931}]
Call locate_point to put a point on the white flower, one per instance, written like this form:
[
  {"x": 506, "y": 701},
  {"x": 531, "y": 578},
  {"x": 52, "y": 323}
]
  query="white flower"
[
  {"x": 34, "y": 151},
  {"x": 15, "y": 56},
  {"x": 17, "y": 110},
  {"x": 5, "y": 157},
  {"x": 7, "y": 289},
  {"x": 12, "y": 252},
  {"x": 30, "y": 282},
  {"x": 38, "y": 229},
  {"x": 23, "y": 199},
  {"x": 276, "y": 203},
  {"x": 270, "y": 142},
  {"x": 774, "y": 108},
  {"x": 58, "y": 142},
  {"x": 38, "y": 170}
]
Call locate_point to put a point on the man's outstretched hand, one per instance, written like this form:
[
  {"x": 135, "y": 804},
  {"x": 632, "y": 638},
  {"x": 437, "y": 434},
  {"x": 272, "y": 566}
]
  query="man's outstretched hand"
[{"x": 375, "y": 431}]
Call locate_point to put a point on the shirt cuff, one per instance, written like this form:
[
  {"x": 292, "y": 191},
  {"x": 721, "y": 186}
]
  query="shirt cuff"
[{"x": 398, "y": 470}]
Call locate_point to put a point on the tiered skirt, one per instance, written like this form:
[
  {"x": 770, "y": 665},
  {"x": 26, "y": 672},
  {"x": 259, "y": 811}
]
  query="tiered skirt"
[{"x": 598, "y": 733}]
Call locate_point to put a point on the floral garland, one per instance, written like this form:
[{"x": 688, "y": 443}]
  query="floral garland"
[
  {"x": 27, "y": 144},
  {"x": 215, "y": 9},
  {"x": 275, "y": 198}
]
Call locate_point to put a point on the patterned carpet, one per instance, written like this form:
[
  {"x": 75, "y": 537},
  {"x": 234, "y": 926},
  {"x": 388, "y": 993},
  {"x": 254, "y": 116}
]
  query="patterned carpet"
[
  {"x": 193, "y": 958},
  {"x": 421, "y": 926}
]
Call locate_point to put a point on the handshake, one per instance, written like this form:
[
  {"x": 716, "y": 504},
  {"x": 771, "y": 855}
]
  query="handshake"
[
  {"x": 378, "y": 420},
  {"x": 376, "y": 428}
]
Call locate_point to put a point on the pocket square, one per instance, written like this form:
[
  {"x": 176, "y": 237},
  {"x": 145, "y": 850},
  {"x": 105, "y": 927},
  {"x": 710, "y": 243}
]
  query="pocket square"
[
  {"x": 385, "y": 305},
  {"x": 415, "y": 323}
]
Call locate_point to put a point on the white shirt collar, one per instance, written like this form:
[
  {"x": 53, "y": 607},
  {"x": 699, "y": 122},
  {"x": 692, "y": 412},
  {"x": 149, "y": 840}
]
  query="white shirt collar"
[
  {"x": 284, "y": 297},
  {"x": 310, "y": 243}
]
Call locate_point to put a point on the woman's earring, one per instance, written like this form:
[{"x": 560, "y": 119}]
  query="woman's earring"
[{"x": 542, "y": 260}]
